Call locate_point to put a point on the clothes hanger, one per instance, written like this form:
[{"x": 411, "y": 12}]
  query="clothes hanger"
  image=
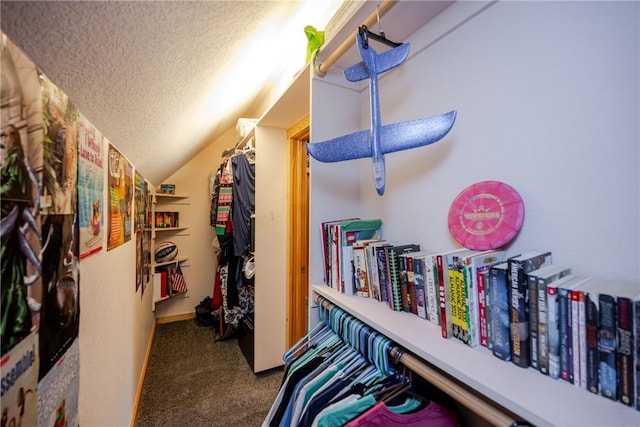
[
  {"x": 367, "y": 34},
  {"x": 306, "y": 341}
]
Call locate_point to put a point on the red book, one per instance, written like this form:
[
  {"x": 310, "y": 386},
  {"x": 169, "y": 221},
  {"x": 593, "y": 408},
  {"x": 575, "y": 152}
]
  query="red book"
[
  {"x": 163, "y": 284},
  {"x": 482, "y": 306}
]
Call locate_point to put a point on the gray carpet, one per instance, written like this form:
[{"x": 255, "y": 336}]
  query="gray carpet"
[{"x": 192, "y": 380}]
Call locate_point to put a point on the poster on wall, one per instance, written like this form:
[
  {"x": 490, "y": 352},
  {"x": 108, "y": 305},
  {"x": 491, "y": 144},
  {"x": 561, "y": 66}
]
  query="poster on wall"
[
  {"x": 146, "y": 258},
  {"x": 140, "y": 197},
  {"x": 60, "y": 311},
  {"x": 20, "y": 383},
  {"x": 58, "y": 391},
  {"x": 39, "y": 237},
  {"x": 21, "y": 164},
  {"x": 90, "y": 188},
  {"x": 120, "y": 198},
  {"x": 61, "y": 120},
  {"x": 139, "y": 256}
]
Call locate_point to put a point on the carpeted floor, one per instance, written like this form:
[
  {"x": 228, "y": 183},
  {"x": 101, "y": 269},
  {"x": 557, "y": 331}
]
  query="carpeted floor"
[{"x": 193, "y": 381}]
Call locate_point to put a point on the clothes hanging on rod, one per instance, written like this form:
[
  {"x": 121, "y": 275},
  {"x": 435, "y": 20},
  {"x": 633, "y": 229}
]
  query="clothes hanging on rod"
[
  {"x": 341, "y": 373},
  {"x": 435, "y": 380},
  {"x": 232, "y": 203}
]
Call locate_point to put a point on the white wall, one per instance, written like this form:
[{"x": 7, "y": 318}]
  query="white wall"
[
  {"x": 547, "y": 95},
  {"x": 272, "y": 155},
  {"x": 116, "y": 323}
]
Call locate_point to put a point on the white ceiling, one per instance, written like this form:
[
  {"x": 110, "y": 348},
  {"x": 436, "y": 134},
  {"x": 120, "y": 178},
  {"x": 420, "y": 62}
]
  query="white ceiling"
[{"x": 148, "y": 74}]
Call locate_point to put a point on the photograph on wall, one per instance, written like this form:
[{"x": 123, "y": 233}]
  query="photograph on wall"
[
  {"x": 120, "y": 198},
  {"x": 20, "y": 383},
  {"x": 90, "y": 188},
  {"x": 21, "y": 164},
  {"x": 60, "y": 311},
  {"x": 61, "y": 119},
  {"x": 59, "y": 390}
]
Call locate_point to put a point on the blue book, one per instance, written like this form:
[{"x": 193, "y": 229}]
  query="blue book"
[
  {"x": 607, "y": 346},
  {"x": 497, "y": 292}
]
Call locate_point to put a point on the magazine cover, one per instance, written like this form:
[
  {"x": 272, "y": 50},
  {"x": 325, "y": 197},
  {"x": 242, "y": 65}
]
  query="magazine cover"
[
  {"x": 90, "y": 188},
  {"x": 120, "y": 198}
]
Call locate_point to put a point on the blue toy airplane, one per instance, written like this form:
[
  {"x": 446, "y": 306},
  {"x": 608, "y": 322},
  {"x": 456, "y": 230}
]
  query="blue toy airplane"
[{"x": 379, "y": 140}]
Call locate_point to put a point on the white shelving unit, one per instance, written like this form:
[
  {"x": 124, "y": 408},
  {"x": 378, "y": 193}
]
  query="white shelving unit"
[{"x": 167, "y": 202}]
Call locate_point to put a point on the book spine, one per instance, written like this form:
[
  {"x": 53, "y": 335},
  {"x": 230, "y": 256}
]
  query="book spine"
[
  {"x": 498, "y": 306},
  {"x": 403, "y": 281},
  {"x": 532, "y": 282},
  {"x": 445, "y": 324},
  {"x": 519, "y": 316},
  {"x": 574, "y": 350},
  {"x": 636, "y": 327},
  {"x": 335, "y": 242},
  {"x": 624, "y": 351},
  {"x": 324, "y": 230},
  {"x": 471, "y": 304},
  {"x": 361, "y": 275},
  {"x": 411, "y": 286},
  {"x": 347, "y": 274},
  {"x": 383, "y": 275},
  {"x": 582, "y": 338},
  {"x": 459, "y": 326},
  {"x": 607, "y": 346},
  {"x": 482, "y": 308},
  {"x": 564, "y": 325},
  {"x": 553, "y": 329},
  {"x": 591, "y": 327},
  {"x": 418, "y": 275},
  {"x": 543, "y": 327},
  {"x": 372, "y": 273},
  {"x": 520, "y": 343},
  {"x": 432, "y": 289},
  {"x": 396, "y": 293}
]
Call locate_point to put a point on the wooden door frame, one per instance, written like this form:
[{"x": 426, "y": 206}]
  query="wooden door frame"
[{"x": 298, "y": 231}]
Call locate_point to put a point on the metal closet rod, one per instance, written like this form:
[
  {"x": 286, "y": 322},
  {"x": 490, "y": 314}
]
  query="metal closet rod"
[
  {"x": 385, "y": 6},
  {"x": 470, "y": 400}
]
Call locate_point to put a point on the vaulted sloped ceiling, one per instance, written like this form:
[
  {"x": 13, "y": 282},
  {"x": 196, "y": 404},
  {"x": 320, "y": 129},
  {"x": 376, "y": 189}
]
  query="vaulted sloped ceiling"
[{"x": 146, "y": 73}]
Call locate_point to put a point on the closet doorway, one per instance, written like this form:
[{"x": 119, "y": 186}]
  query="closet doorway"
[{"x": 298, "y": 247}]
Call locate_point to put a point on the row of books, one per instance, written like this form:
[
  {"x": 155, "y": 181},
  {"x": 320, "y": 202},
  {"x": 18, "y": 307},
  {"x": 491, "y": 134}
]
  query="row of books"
[
  {"x": 167, "y": 219},
  {"x": 522, "y": 308}
]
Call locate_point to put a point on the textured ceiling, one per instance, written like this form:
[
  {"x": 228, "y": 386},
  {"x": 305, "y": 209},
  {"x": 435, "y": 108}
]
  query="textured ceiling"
[{"x": 142, "y": 71}]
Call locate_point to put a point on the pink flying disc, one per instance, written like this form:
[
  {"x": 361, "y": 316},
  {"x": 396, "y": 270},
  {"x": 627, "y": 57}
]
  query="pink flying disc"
[{"x": 486, "y": 215}]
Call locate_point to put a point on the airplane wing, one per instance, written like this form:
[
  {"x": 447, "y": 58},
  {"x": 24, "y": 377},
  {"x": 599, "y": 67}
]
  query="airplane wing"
[
  {"x": 415, "y": 133},
  {"x": 347, "y": 147},
  {"x": 393, "y": 137}
]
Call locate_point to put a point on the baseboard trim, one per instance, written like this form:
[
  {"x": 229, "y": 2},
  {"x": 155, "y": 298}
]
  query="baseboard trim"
[
  {"x": 142, "y": 376},
  {"x": 175, "y": 318}
]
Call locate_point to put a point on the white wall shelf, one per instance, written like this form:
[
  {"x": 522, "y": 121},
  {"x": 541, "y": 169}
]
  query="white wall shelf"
[{"x": 537, "y": 398}]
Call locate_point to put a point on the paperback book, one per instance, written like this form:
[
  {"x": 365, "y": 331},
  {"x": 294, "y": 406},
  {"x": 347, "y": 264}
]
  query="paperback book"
[{"x": 519, "y": 267}]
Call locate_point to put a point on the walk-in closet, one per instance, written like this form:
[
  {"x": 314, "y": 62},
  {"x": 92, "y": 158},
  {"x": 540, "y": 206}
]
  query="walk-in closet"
[{"x": 183, "y": 182}]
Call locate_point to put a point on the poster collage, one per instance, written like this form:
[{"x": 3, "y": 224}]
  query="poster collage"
[{"x": 53, "y": 215}]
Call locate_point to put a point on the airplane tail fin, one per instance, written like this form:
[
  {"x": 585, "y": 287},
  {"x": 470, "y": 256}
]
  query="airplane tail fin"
[{"x": 385, "y": 61}]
